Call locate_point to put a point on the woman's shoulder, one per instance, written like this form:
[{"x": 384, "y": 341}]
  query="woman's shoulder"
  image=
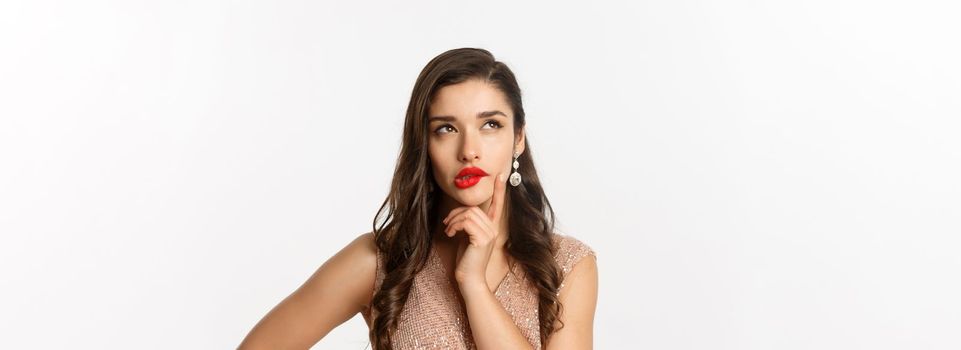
[
  {"x": 570, "y": 251},
  {"x": 358, "y": 256},
  {"x": 367, "y": 250},
  {"x": 363, "y": 249},
  {"x": 361, "y": 259}
]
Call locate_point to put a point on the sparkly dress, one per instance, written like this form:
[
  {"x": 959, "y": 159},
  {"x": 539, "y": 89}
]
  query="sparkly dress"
[{"x": 434, "y": 318}]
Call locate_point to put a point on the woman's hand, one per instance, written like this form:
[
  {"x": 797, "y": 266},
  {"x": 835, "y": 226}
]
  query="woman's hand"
[{"x": 482, "y": 232}]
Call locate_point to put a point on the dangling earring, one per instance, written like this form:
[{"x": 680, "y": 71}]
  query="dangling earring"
[{"x": 515, "y": 176}]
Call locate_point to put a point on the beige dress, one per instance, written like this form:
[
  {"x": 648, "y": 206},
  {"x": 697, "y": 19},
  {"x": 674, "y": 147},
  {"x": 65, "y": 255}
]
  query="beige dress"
[{"x": 433, "y": 317}]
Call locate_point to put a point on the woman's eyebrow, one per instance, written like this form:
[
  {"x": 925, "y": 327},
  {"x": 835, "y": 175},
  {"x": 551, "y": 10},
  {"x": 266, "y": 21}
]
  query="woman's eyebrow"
[{"x": 450, "y": 118}]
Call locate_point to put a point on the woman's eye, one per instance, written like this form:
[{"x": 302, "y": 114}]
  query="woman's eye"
[
  {"x": 440, "y": 128},
  {"x": 494, "y": 122}
]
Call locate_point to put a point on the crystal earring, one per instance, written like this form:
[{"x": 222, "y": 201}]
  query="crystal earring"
[{"x": 515, "y": 176}]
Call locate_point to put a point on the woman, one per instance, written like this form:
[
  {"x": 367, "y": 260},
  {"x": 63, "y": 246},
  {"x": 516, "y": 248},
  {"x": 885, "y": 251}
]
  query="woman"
[{"x": 461, "y": 259}]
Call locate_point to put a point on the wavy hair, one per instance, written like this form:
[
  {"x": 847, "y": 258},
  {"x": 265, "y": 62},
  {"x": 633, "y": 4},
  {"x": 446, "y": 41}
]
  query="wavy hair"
[{"x": 405, "y": 220}]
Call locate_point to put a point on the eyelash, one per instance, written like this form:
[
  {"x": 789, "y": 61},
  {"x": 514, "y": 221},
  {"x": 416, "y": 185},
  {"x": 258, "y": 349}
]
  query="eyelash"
[{"x": 498, "y": 124}]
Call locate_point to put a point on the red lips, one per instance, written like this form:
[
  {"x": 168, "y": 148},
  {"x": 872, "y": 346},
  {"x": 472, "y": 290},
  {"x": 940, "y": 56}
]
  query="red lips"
[{"x": 468, "y": 177}]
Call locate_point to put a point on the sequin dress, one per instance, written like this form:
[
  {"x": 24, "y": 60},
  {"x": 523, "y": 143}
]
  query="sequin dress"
[{"x": 433, "y": 317}]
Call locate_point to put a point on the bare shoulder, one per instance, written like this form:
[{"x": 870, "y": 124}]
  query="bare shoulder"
[
  {"x": 362, "y": 248},
  {"x": 339, "y": 289},
  {"x": 360, "y": 259}
]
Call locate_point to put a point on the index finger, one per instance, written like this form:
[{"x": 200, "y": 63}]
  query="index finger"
[{"x": 494, "y": 210}]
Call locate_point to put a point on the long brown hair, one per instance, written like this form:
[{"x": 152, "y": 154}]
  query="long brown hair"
[{"x": 403, "y": 234}]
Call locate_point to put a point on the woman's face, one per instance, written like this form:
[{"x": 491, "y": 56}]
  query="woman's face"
[{"x": 471, "y": 125}]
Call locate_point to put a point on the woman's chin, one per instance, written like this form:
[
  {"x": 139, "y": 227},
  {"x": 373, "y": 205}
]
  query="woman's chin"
[{"x": 469, "y": 198}]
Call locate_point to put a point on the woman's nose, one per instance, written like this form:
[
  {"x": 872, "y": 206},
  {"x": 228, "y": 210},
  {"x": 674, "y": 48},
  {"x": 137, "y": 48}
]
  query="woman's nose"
[
  {"x": 467, "y": 157},
  {"x": 469, "y": 149}
]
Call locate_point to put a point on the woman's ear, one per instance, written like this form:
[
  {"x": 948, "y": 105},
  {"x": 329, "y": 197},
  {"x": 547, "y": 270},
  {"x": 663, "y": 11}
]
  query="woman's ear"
[{"x": 519, "y": 141}]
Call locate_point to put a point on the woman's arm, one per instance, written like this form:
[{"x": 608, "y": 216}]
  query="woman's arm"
[
  {"x": 491, "y": 325},
  {"x": 337, "y": 291},
  {"x": 493, "y": 328},
  {"x": 579, "y": 300}
]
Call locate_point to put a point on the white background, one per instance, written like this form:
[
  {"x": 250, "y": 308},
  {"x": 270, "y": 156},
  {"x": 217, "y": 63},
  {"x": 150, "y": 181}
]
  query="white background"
[{"x": 751, "y": 174}]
